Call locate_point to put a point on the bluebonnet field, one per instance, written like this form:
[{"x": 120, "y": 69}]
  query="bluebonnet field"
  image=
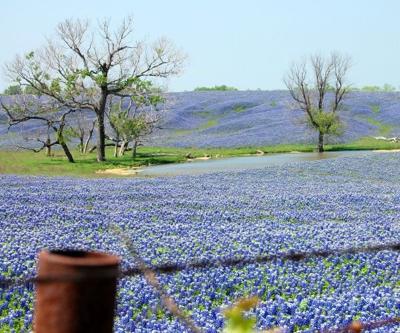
[
  {"x": 253, "y": 118},
  {"x": 327, "y": 204}
]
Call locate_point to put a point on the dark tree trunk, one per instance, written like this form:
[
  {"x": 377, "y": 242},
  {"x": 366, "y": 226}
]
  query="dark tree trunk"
[
  {"x": 48, "y": 151},
  {"x": 86, "y": 145},
  {"x": 63, "y": 144},
  {"x": 48, "y": 148},
  {"x": 320, "y": 142},
  {"x": 81, "y": 144},
  {"x": 134, "y": 149},
  {"x": 67, "y": 152},
  {"x": 101, "y": 138}
]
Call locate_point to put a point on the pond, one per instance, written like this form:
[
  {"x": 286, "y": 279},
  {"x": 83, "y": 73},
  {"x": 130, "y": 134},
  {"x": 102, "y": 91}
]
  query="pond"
[{"x": 197, "y": 167}]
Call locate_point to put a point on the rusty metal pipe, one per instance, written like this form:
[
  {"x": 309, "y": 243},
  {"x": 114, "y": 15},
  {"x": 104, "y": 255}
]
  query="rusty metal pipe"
[{"x": 78, "y": 292}]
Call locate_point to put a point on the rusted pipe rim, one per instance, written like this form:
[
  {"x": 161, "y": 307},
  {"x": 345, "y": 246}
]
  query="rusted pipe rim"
[
  {"x": 70, "y": 257},
  {"x": 75, "y": 292}
]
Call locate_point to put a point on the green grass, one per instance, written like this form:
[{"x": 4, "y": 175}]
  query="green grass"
[
  {"x": 210, "y": 120},
  {"x": 26, "y": 162},
  {"x": 239, "y": 109},
  {"x": 375, "y": 108},
  {"x": 204, "y": 114},
  {"x": 183, "y": 131},
  {"x": 384, "y": 129},
  {"x": 367, "y": 143},
  {"x": 210, "y": 123}
]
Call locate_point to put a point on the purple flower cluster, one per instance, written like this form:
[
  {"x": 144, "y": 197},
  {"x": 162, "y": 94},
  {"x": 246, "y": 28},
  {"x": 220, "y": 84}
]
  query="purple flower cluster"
[{"x": 303, "y": 206}]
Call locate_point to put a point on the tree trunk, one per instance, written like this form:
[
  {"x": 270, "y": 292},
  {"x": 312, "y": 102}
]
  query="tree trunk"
[
  {"x": 81, "y": 145},
  {"x": 63, "y": 144},
  {"x": 101, "y": 135},
  {"x": 122, "y": 148},
  {"x": 86, "y": 145},
  {"x": 101, "y": 138},
  {"x": 48, "y": 148},
  {"x": 116, "y": 146},
  {"x": 67, "y": 152},
  {"x": 116, "y": 150},
  {"x": 134, "y": 149},
  {"x": 320, "y": 142}
]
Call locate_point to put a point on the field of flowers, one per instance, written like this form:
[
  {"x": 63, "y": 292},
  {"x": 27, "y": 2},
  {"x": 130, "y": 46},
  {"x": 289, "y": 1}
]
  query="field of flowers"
[
  {"x": 252, "y": 118},
  {"x": 327, "y": 204},
  {"x": 256, "y": 118}
]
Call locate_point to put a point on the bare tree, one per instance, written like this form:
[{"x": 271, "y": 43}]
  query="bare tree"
[
  {"x": 22, "y": 109},
  {"x": 83, "y": 66},
  {"x": 318, "y": 87},
  {"x": 42, "y": 137},
  {"x": 113, "y": 112},
  {"x": 83, "y": 129}
]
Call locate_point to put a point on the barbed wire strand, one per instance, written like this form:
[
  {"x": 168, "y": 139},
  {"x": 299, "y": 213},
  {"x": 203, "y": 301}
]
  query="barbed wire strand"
[
  {"x": 242, "y": 261},
  {"x": 170, "y": 268},
  {"x": 151, "y": 278},
  {"x": 149, "y": 272}
]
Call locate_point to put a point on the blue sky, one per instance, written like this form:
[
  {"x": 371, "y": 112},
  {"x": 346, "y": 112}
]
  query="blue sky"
[{"x": 248, "y": 44}]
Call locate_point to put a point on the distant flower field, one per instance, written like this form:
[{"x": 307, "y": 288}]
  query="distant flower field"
[
  {"x": 253, "y": 118},
  {"x": 304, "y": 206}
]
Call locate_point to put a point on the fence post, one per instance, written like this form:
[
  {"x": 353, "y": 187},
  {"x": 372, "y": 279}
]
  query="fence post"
[{"x": 75, "y": 292}]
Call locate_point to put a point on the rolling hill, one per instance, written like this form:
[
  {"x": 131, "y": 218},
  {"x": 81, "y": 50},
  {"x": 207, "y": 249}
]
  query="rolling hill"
[{"x": 253, "y": 118}]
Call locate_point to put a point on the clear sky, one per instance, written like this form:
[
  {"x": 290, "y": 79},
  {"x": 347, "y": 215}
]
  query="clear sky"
[{"x": 248, "y": 44}]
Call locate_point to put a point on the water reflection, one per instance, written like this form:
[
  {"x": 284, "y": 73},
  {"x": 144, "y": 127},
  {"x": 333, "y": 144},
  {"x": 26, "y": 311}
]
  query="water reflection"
[{"x": 243, "y": 163}]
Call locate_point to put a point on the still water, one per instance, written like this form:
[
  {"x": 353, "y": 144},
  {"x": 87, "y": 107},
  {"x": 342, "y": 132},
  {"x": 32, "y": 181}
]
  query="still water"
[{"x": 243, "y": 163}]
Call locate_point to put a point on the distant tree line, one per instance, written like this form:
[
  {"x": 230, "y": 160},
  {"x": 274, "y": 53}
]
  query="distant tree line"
[
  {"x": 216, "y": 88},
  {"x": 385, "y": 88}
]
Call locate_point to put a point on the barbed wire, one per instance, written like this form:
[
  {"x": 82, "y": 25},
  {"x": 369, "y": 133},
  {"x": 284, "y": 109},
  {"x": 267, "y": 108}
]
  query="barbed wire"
[
  {"x": 243, "y": 261},
  {"x": 151, "y": 278},
  {"x": 170, "y": 268}
]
